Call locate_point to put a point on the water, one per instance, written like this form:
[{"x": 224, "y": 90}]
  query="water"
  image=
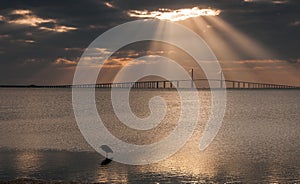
[{"x": 259, "y": 141}]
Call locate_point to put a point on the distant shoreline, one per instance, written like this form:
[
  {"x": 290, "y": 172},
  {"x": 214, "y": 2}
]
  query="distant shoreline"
[{"x": 155, "y": 89}]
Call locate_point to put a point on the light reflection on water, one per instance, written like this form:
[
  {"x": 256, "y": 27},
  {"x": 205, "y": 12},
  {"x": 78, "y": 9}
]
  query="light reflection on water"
[
  {"x": 258, "y": 142},
  {"x": 28, "y": 162}
]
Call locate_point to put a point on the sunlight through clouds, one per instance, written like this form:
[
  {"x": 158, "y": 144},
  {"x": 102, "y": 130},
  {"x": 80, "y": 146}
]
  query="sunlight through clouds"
[
  {"x": 174, "y": 15},
  {"x": 64, "y": 61},
  {"x": 59, "y": 29},
  {"x": 28, "y": 18}
]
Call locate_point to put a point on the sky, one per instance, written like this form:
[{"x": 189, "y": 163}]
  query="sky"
[{"x": 41, "y": 41}]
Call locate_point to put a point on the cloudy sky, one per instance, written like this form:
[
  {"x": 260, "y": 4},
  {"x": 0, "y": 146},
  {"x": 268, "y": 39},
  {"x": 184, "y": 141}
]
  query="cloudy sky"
[{"x": 41, "y": 41}]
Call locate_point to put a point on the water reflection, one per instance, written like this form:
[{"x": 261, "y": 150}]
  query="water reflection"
[
  {"x": 258, "y": 143},
  {"x": 86, "y": 166},
  {"x": 106, "y": 175},
  {"x": 27, "y": 162}
]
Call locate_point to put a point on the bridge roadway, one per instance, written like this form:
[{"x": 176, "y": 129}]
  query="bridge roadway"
[{"x": 165, "y": 84}]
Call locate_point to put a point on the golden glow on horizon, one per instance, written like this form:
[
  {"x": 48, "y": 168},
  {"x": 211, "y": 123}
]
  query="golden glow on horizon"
[{"x": 174, "y": 15}]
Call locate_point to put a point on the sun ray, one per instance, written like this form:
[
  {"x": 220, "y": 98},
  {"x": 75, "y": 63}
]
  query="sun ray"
[
  {"x": 248, "y": 46},
  {"x": 220, "y": 47}
]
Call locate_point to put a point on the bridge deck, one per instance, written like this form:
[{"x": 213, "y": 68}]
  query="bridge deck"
[{"x": 196, "y": 83}]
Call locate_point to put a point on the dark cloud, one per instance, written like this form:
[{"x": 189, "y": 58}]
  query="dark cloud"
[{"x": 60, "y": 30}]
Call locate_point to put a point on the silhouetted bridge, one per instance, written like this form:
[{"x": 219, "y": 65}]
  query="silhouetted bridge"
[{"x": 166, "y": 84}]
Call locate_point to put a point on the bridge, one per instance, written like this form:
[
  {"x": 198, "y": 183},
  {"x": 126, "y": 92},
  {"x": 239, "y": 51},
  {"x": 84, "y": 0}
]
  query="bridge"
[
  {"x": 166, "y": 84},
  {"x": 195, "y": 83}
]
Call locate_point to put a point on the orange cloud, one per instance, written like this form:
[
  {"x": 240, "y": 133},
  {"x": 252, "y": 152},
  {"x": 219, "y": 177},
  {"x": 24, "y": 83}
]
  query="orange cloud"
[
  {"x": 26, "y": 41},
  {"x": 27, "y": 17},
  {"x": 120, "y": 62},
  {"x": 21, "y": 12},
  {"x": 59, "y": 29},
  {"x": 74, "y": 49},
  {"x": 64, "y": 61},
  {"x": 2, "y": 18},
  {"x": 109, "y": 5}
]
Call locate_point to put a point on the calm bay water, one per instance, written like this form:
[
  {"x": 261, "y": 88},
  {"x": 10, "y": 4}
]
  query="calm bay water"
[{"x": 259, "y": 141}]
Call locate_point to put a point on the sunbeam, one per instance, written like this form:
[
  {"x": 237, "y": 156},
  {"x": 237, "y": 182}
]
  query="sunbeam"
[{"x": 247, "y": 45}]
